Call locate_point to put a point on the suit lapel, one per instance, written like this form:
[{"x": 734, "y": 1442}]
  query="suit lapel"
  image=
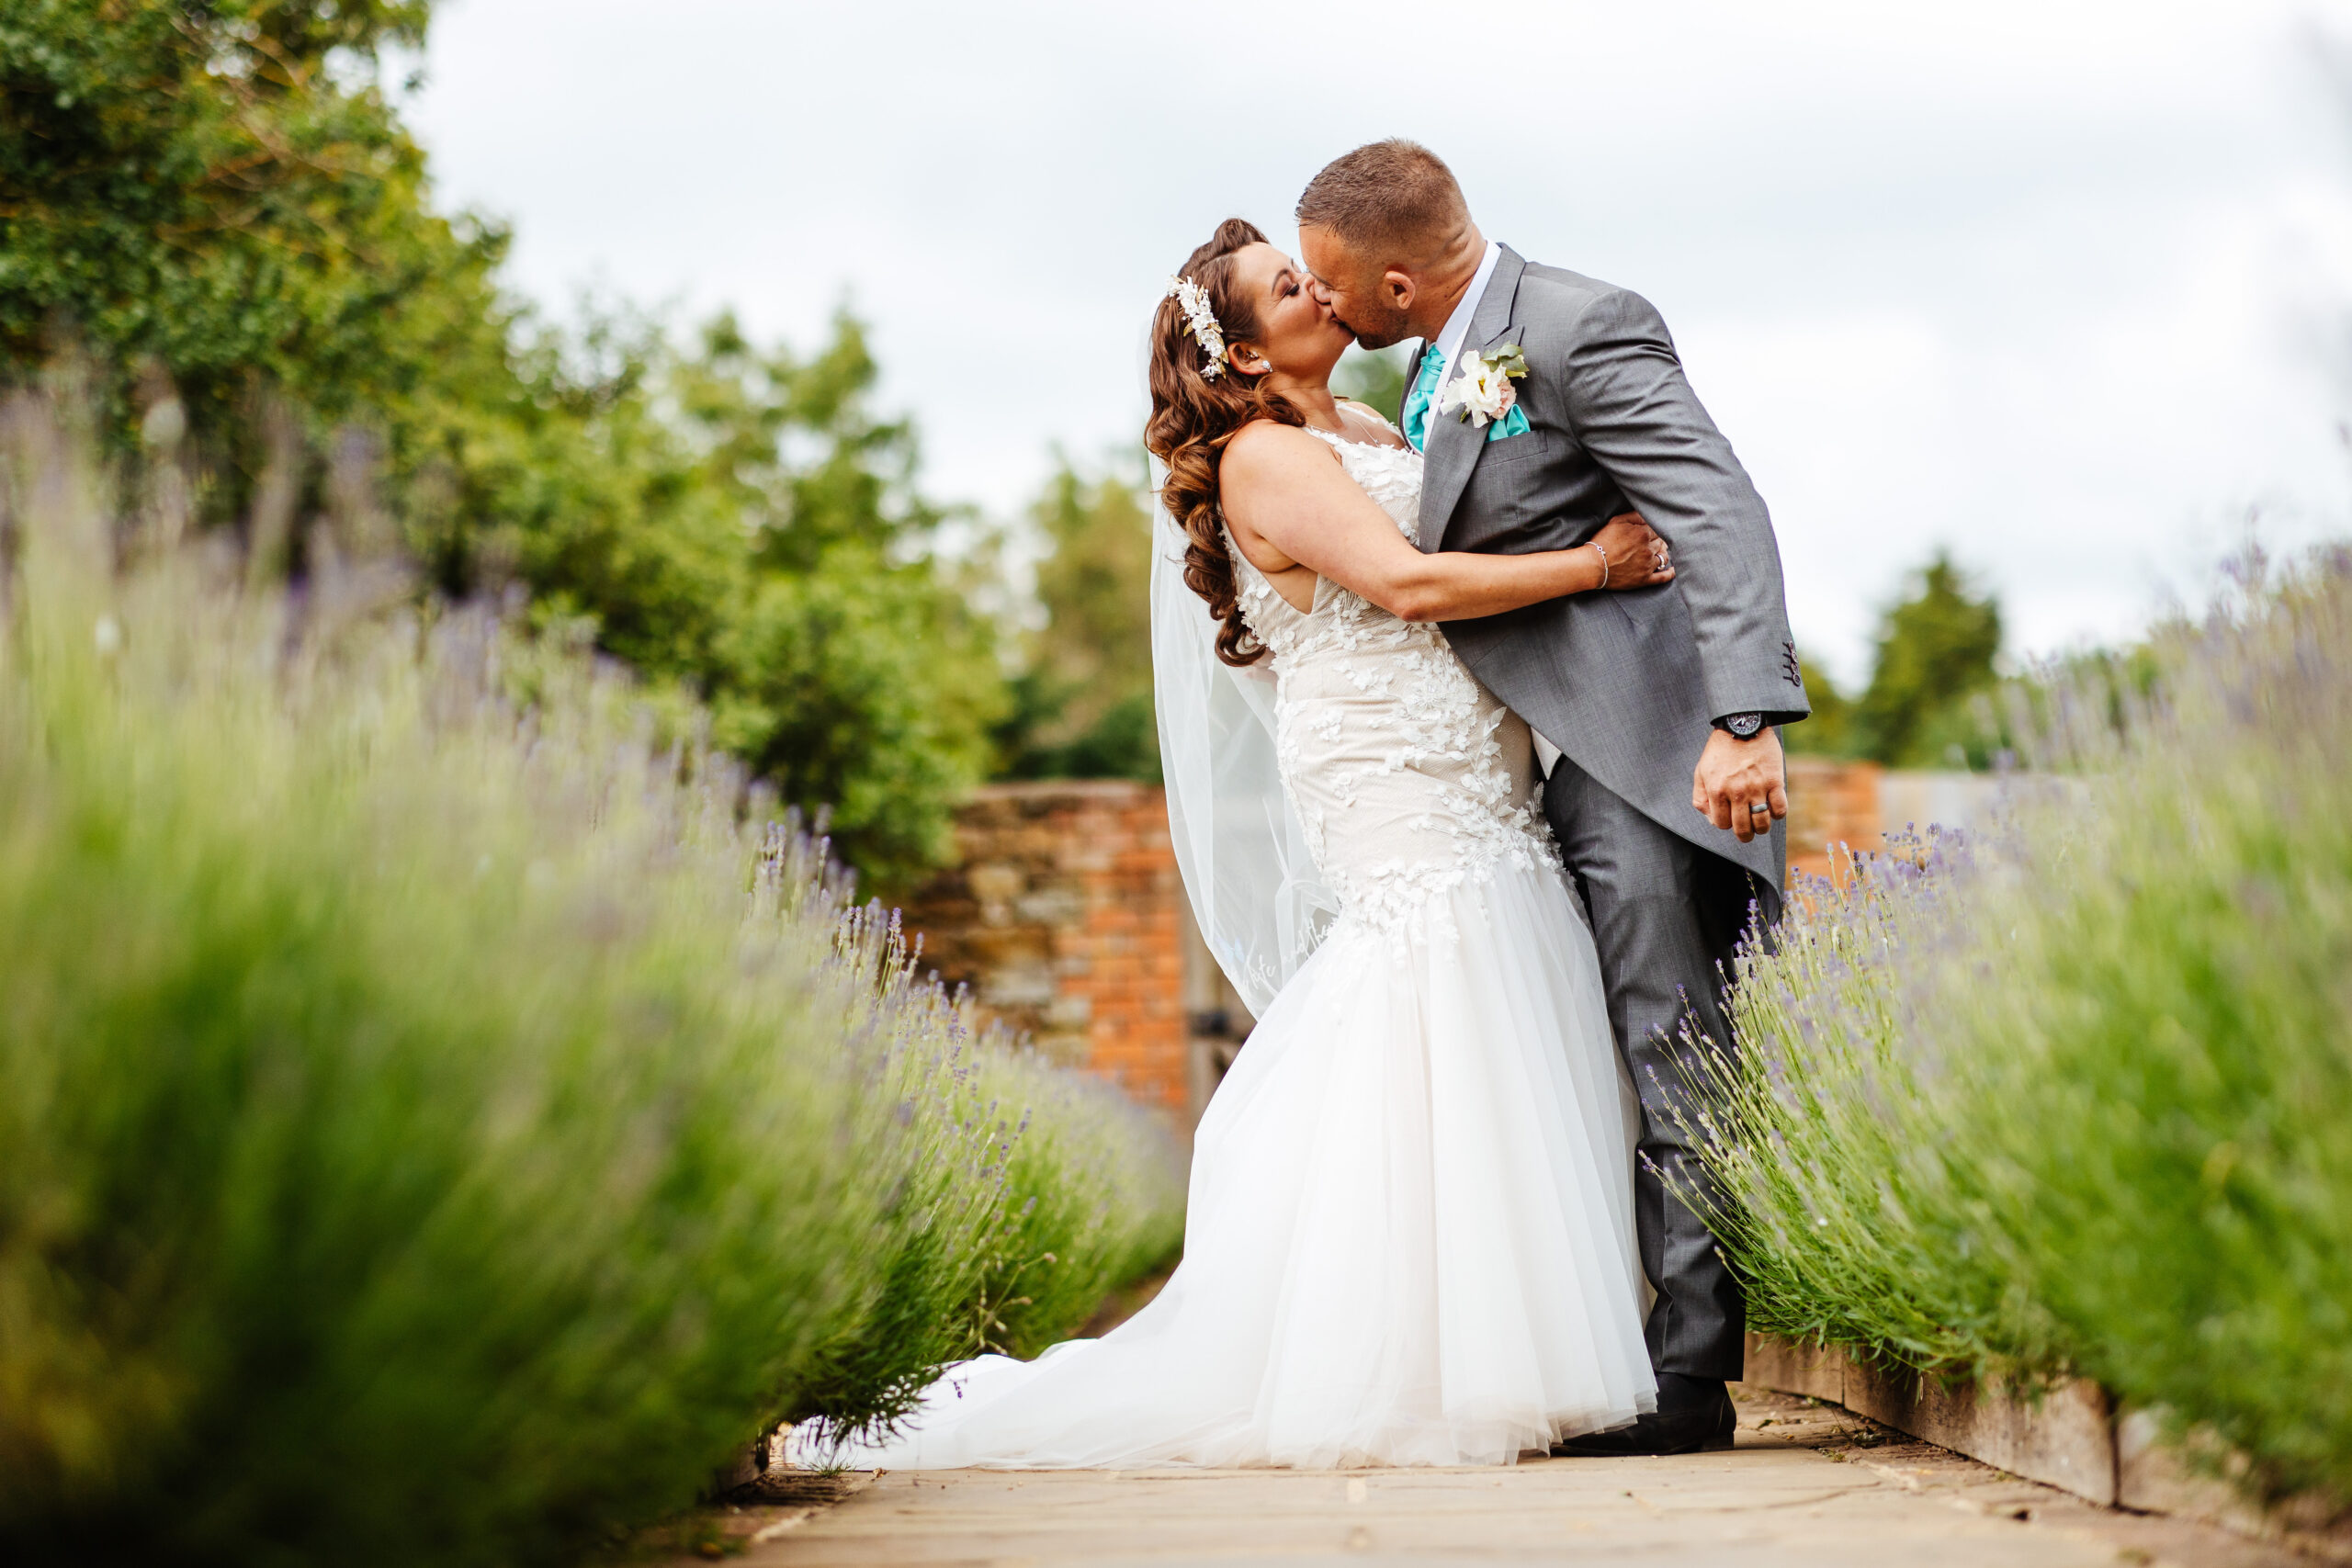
[
  {"x": 1452, "y": 453},
  {"x": 1454, "y": 446}
]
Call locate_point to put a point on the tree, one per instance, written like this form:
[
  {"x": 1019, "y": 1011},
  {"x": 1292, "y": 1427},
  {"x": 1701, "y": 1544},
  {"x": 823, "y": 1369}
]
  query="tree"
[
  {"x": 734, "y": 520},
  {"x": 1935, "y": 649},
  {"x": 1083, "y": 704},
  {"x": 852, "y": 673},
  {"x": 218, "y": 200},
  {"x": 1376, "y": 377},
  {"x": 1829, "y": 730},
  {"x": 222, "y": 190}
]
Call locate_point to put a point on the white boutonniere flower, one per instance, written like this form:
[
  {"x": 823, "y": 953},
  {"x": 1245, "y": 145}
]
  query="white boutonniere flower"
[{"x": 1484, "y": 391}]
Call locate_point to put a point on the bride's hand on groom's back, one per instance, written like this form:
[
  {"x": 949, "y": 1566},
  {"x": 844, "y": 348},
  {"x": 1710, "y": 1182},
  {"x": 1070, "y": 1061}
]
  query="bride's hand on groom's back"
[{"x": 1637, "y": 557}]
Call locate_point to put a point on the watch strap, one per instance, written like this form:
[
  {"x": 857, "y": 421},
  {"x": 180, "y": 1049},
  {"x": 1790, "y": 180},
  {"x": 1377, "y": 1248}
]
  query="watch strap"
[{"x": 1741, "y": 726}]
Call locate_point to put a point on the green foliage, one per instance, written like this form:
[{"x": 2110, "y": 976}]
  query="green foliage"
[
  {"x": 849, "y": 673},
  {"x": 2074, "y": 1099},
  {"x": 1829, "y": 730},
  {"x": 441, "y": 1130},
  {"x": 1083, "y": 704},
  {"x": 222, "y": 191},
  {"x": 1935, "y": 649},
  {"x": 1376, "y": 378},
  {"x": 222, "y": 205},
  {"x": 1986, "y": 730},
  {"x": 1925, "y": 706}
]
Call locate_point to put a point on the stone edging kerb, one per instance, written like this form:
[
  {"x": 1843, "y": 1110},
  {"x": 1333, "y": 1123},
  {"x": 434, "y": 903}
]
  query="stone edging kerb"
[{"x": 2072, "y": 1437}]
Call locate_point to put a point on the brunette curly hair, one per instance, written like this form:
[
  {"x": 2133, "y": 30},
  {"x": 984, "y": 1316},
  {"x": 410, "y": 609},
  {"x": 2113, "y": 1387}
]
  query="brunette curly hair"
[{"x": 1193, "y": 416}]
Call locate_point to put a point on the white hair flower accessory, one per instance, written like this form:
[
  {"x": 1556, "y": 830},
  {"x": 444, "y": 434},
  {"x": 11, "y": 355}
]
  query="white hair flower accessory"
[{"x": 1201, "y": 321}]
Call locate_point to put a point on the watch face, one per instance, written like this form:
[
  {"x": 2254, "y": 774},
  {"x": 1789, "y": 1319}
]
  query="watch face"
[{"x": 1745, "y": 724}]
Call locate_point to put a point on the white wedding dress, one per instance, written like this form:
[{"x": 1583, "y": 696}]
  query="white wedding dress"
[{"x": 1410, "y": 1234}]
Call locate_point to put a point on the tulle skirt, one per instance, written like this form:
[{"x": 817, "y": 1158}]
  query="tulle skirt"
[{"x": 1410, "y": 1234}]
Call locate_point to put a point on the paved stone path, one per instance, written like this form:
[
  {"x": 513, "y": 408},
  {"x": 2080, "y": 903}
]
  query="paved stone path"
[{"x": 1805, "y": 1485}]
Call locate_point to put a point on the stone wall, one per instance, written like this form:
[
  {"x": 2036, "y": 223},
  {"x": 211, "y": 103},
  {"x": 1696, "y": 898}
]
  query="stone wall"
[{"x": 1063, "y": 914}]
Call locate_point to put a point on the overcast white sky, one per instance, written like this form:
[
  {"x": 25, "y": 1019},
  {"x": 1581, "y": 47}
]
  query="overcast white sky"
[{"x": 2064, "y": 285}]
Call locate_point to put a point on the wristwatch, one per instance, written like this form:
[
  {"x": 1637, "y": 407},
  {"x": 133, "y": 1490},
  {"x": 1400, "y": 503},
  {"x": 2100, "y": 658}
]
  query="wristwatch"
[{"x": 1741, "y": 726}]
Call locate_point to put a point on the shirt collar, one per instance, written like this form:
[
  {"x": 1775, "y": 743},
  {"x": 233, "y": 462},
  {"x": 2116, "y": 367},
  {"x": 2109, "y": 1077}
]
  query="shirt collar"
[{"x": 1457, "y": 325}]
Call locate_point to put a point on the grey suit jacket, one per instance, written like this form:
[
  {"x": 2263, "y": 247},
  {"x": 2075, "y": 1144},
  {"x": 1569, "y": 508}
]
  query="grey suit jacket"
[{"x": 1627, "y": 684}]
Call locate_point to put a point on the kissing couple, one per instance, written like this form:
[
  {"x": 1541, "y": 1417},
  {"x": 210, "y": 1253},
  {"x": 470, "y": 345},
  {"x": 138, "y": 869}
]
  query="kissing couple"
[{"x": 1439, "y": 1208}]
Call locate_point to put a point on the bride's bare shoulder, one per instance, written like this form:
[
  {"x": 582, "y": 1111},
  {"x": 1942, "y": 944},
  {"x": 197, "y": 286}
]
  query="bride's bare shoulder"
[
  {"x": 1272, "y": 436},
  {"x": 1265, "y": 449},
  {"x": 1270, "y": 471}
]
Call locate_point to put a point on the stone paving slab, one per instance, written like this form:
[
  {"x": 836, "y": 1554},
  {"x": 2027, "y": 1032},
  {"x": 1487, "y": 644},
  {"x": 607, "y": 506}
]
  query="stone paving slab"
[{"x": 1805, "y": 1485}]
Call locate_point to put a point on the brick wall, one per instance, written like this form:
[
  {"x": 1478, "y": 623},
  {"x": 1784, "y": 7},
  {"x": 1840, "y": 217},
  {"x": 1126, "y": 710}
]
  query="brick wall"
[
  {"x": 1831, "y": 802},
  {"x": 1856, "y": 804},
  {"x": 1063, "y": 914}
]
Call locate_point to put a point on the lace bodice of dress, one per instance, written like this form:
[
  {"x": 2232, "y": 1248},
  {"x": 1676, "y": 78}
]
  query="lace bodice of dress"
[{"x": 1408, "y": 776}]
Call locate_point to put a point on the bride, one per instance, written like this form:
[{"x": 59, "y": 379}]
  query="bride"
[{"x": 1410, "y": 1234}]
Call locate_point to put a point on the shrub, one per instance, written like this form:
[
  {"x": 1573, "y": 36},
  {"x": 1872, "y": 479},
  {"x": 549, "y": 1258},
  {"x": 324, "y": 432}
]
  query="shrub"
[
  {"x": 222, "y": 200},
  {"x": 440, "y": 1128},
  {"x": 2075, "y": 1097}
]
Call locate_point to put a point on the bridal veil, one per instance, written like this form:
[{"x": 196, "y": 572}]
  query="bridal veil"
[{"x": 1261, "y": 908}]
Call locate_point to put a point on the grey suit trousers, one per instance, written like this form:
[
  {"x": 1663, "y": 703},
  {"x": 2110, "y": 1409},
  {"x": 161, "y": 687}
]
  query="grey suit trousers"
[{"x": 1666, "y": 916}]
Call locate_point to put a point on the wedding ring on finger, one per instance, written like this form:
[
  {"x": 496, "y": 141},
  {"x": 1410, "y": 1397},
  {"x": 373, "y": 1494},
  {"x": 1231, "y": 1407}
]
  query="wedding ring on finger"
[{"x": 1758, "y": 808}]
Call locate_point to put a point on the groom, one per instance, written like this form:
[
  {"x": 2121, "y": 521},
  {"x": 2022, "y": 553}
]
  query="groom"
[{"x": 1668, "y": 792}]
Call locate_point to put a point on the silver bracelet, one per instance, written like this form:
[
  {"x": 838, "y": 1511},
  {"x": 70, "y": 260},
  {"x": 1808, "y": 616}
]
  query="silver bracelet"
[{"x": 1604, "y": 562}]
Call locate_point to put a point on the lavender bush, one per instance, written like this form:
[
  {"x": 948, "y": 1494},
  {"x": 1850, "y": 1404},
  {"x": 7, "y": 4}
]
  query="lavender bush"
[
  {"x": 438, "y": 1125},
  {"x": 2075, "y": 1097}
]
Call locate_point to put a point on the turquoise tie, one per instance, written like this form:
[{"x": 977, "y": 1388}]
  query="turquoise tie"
[{"x": 1415, "y": 415}]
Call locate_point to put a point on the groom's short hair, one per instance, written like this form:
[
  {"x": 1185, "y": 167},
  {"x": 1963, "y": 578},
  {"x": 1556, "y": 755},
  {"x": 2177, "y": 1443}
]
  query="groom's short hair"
[{"x": 1388, "y": 201}]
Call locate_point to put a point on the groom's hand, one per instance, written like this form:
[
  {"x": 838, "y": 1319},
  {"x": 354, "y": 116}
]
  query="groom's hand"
[{"x": 1734, "y": 776}]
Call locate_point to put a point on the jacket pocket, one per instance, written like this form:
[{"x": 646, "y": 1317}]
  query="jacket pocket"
[{"x": 1512, "y": 451}]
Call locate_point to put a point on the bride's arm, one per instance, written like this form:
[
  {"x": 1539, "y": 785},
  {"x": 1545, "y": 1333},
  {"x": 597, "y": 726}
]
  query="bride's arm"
[{"x": 1284, "y": 493}]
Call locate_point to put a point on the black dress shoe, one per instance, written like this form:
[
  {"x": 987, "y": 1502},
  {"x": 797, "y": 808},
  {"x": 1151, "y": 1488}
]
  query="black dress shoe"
[{"x": 1696, "y": 1415}]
